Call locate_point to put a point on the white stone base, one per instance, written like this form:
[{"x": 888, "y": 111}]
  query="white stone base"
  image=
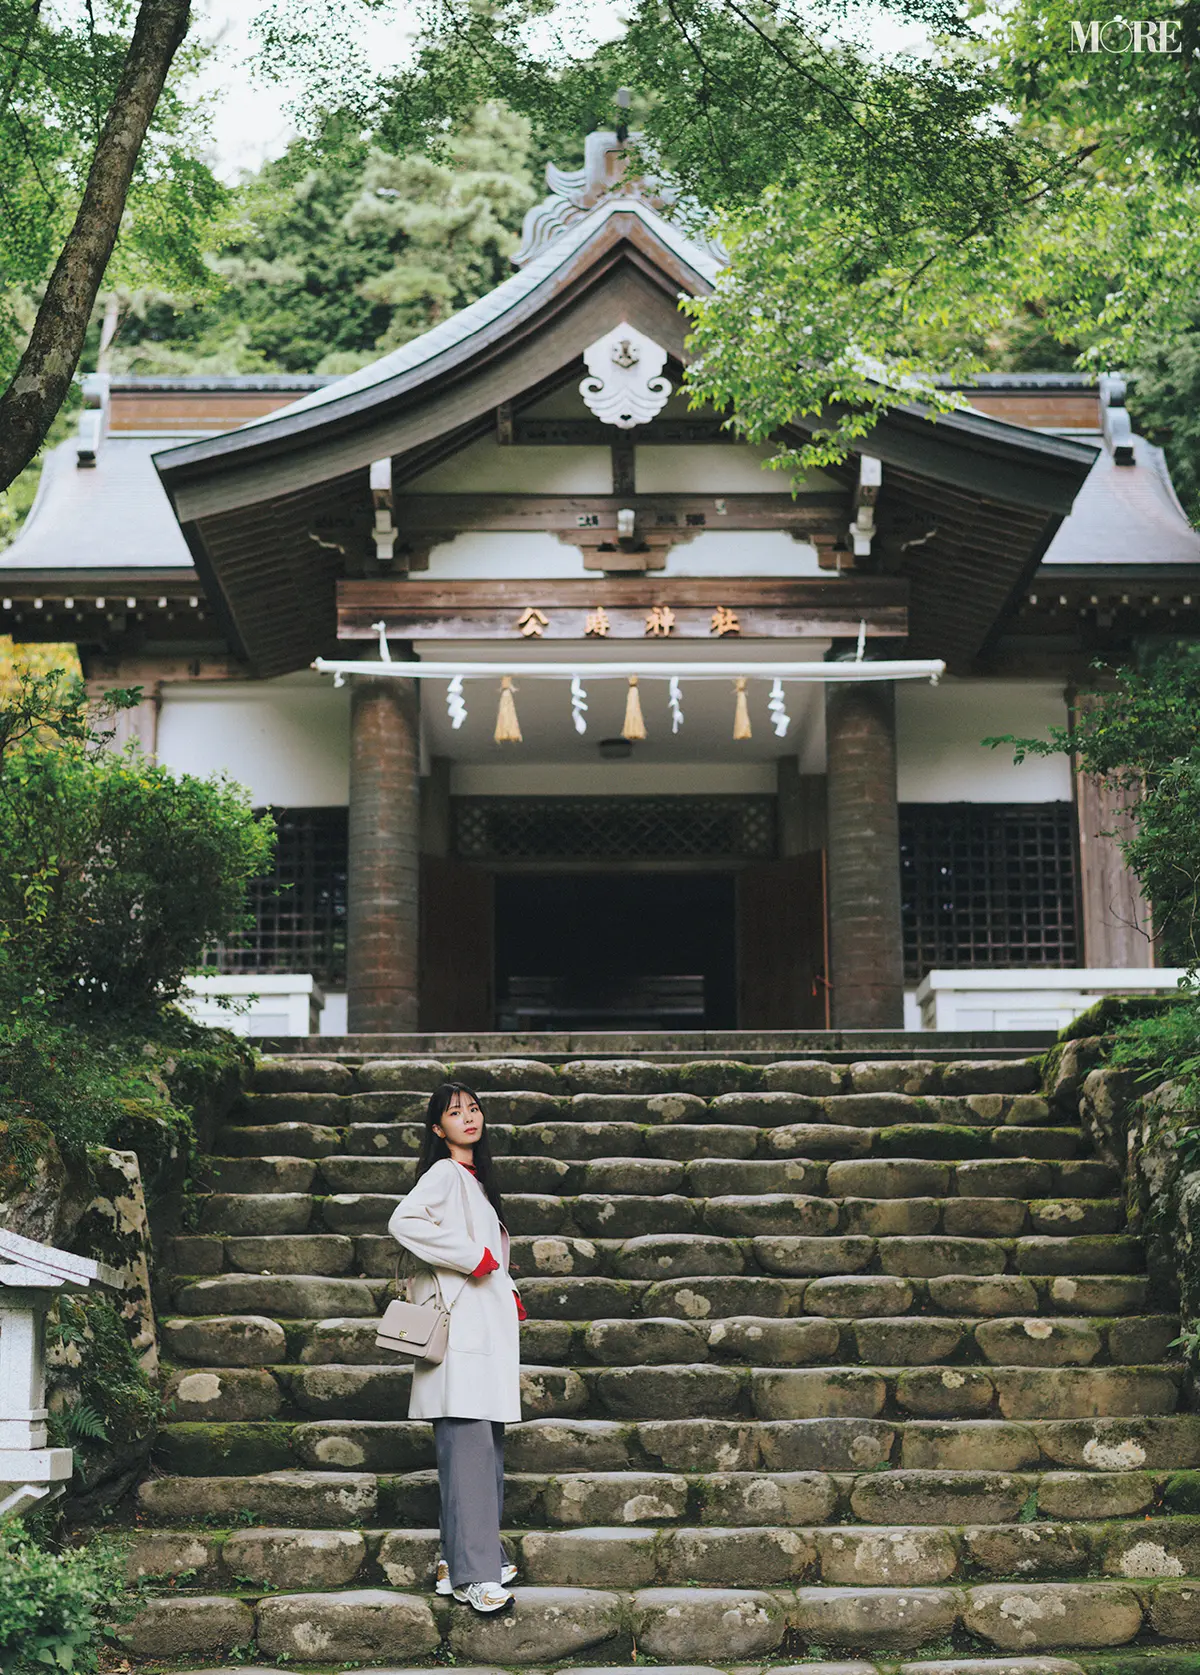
[
  {"x": 35, "y": 1465},
  {"x": 287, "y": 1004},
  {"x": 1046, "y": 998}
]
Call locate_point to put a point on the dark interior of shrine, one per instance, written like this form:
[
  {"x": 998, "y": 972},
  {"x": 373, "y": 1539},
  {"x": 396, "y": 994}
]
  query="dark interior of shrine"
[{"x": 615, "y": 950}]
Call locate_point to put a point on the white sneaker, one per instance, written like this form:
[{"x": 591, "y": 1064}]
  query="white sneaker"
[
  {"x": 484, "y": 1597},
  {"x": 441, "y": 1585}
]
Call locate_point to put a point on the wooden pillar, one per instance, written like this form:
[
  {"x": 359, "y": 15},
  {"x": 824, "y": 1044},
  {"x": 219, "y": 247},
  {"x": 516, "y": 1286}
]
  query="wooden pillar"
[
  {"x": 435, "y": 807},
  {"x": 138, "y": 724},
  {"x": 1115, "y": 927},
  {"x": 384, "y": 829},
  {"x": 800, "y": 800},
  {"x": 865, "y": 943}
]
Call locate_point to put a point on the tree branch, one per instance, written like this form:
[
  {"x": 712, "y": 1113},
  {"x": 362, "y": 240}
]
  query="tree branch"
[{"x": 47, "y": 366}]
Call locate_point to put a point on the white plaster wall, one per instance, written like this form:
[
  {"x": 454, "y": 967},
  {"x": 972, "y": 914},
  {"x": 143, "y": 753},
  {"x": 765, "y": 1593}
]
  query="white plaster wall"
[
  {"x": 482, "y": 554},
  {"x": 286, "y": 740},
  {"x": 506, "y": 554},
  {"x": 742, "y": 552},
  {"x": 715, "y": 468},
  {"x": 611, "y": 779},
  {"x": 484, "y": 467},
  {"x": 941, "y": 759}
]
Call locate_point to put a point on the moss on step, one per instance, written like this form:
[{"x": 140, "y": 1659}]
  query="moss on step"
[
  {"x": 1141, "y": 1660},
  {"x": 202, "y": 1449}
]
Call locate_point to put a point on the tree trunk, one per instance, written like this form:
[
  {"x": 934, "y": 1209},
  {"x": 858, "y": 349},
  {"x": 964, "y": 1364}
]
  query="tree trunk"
[{"x": 44, "y": 375}]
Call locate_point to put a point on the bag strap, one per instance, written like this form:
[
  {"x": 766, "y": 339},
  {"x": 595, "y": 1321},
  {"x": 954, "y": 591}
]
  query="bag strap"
[{"x": 405, "y": 1253}]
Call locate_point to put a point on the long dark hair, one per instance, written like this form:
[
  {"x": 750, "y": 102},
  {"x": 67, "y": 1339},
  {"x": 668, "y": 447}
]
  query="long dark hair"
[{"x": 434, "y": 1148}]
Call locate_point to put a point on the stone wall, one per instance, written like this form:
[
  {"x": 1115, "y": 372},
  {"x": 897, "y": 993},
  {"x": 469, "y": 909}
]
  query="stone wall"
[
  {"x": 1136, "y": 1124},
  {"x": 116, "y": 1205}
]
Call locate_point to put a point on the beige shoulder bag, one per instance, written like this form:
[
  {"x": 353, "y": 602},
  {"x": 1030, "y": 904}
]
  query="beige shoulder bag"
[
  {"x": 418, "y": 1329},
  {"x": 421, "y": 1330}
]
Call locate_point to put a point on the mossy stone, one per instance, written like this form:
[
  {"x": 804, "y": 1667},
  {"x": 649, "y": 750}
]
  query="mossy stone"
[{"x": 199, "y": 1449}]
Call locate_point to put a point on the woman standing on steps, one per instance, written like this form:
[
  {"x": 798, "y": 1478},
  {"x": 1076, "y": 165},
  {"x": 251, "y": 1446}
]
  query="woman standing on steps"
[{"x": 452, "y": 1222}]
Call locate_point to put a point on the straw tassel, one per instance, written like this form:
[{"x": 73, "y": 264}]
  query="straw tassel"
[
  {"x": 741, "y": 713},
  {"x": 635, "y": 727},
  {"x": 508, "y": 728}
]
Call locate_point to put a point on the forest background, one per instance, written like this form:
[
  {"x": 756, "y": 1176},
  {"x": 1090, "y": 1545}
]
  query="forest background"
[{"x": 995, "y": 200}]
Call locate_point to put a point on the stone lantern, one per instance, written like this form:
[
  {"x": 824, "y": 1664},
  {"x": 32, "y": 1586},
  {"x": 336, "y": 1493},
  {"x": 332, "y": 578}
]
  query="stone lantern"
[{"x": 32, "y": 1275}]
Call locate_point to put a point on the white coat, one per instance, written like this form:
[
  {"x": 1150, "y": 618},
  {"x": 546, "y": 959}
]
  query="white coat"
[{"x": 447, "y": 1221}]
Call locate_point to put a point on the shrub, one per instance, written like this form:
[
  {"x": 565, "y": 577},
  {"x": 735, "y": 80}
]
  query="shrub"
[
  {"x": 87, "y": 1090},
  {"x": 114, "y": 873},
  {"x": 1164, "y": 1045},
  {"x": 1139, "y": 735},
  {"x": 53, "y": 1602}
]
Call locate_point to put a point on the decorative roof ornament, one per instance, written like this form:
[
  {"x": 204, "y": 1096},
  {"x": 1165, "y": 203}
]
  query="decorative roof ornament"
[
  {"x": 626, "y": 386},
  {"x": 575, "y": 192}
]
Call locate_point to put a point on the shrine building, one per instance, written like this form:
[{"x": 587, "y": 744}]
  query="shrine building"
[{"x": 810, "y": 834}]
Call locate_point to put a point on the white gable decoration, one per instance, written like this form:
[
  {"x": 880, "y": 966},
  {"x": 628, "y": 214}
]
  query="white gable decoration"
[{"x": 626, "y": 387}]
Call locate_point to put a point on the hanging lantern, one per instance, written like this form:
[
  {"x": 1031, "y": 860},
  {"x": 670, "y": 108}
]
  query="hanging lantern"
[
  {"x": 741, "y": 711},
  {"x": 635, "y": 727},
  {"x": 508, "y": 728},
  {"x": 578, "y": 704},
  {"x": 675, "y": 699},
  {"x": 455, "y": 706}
]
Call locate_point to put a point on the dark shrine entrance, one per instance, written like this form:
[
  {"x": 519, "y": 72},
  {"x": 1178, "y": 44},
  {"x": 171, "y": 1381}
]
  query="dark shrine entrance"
[
  {"x": 615, "y": 950},
  {"x": 632, "y": 949},
  {"x": 626, "y": 913}
]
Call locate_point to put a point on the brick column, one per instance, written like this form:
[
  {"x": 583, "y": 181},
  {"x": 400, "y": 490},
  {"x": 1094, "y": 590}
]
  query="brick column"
[
  {"x": 866, "y": 953},
  {"x": 381, "y": 930}
]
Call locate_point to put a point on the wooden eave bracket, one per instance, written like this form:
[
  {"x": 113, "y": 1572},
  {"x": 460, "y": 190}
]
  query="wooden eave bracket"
[
  {"x": 383, "y": 531},
  {"x": 866, "y": 495}
]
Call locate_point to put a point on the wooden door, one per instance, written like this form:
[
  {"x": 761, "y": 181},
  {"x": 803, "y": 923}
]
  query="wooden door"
[
  {"x": 457, "y": 947},
  {"x": 782, "y": 944}
]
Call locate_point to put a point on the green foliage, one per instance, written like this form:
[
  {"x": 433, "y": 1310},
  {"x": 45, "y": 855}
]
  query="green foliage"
[
  {"x": 1165, "y": 404},
  {"x": 341, "y": 251},
  {"x": 61, "y": 68},
  {"x": 114, "y": 873},
  {"x": 86, "y": 1088},
  {"x": 995, "y": 201},
  {"x": 54, "y": 1601},
  {"x": 1139, "y": 735},
  {"x": 113, "y": 1401}
]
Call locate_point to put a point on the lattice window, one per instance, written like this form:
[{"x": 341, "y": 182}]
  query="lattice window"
[
  {"x": 613, "y": 828},
  {"x": 300, "y": 908},
  {"x": 987, "y": 885}
]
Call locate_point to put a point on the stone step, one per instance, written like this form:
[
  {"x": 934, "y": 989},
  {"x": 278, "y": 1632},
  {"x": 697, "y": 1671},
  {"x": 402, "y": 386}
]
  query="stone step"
[
  {"x": 901, "y": 1339},
  {"x": 720, "y": 1499},
  {"x": 1166, "y": 1443},
  {"x": 342, "y": 1391},
  {"x": 629, "y": 1215},
  {"x": 569, "y": 1113},
  {"x": 554, "y": 1305},
  {"x": 660, "y": 1253},
  {"x": 708, "y": 1078},
  {"x": 1161, "y": 1661},
  {"x": 668, "y": 1625},
  {"x": 643, "y": 1556},
  {"x": 893, "y": 1170}
]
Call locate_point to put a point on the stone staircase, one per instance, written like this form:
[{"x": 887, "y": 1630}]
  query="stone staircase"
[{"x": 848, "y": 1366}]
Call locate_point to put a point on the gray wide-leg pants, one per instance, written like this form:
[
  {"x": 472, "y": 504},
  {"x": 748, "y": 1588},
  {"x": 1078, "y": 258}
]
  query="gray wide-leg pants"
[{"x": 470, "y": 1462}]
